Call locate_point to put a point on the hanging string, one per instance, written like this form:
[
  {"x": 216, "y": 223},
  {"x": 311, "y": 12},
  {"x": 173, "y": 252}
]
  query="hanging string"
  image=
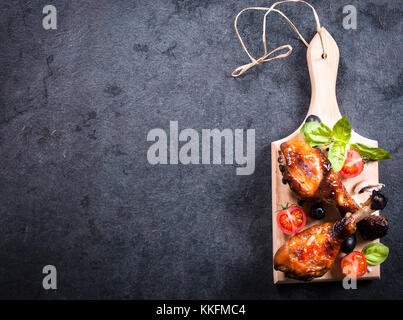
[{"x": 240, "y": 70}]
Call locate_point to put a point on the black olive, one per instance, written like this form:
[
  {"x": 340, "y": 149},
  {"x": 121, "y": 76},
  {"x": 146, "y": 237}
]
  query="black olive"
[
  {"x": 284, "y": 181},
  {"x": 279, "y": 159},
  {"x": 378, "y": 201},
  {"x": 348, "y": 245},
  {"x": 282, "y": 168},
  {"x": 317, "y": 211},
  {"x": 301, "y": 202},
  {"x": 312, "y": 117}
]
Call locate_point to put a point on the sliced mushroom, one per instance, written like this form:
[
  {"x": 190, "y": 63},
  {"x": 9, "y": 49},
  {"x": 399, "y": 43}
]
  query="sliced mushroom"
[{"x": 366, "y": 185}]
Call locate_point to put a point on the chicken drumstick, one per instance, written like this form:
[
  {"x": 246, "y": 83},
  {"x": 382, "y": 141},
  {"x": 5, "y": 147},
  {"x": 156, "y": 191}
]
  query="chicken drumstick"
[
  {"x": 310, "y": 253},
  {"x": 310, "y": 175}
]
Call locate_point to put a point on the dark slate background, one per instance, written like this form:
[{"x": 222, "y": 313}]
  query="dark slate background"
[{"x": 76, "y": 189}]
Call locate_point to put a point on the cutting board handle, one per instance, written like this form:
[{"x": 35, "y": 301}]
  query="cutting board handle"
[{"x": 323, "y": 74}]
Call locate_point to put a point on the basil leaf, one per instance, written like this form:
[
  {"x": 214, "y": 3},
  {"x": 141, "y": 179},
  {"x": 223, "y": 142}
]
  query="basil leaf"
[
  {"x": 316, "y": 133},
  {"x": 376, "y": 253},
  {"x": 370, "y": 153},
  {"x": 342, "y": 130},
  {"x": 337, "y": 155}
]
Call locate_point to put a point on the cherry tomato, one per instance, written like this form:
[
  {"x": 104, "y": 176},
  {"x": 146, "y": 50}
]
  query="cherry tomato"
[
  {"x": 353, "y": 165},
  {"x": 291, "y": 219},
  {"x": 354, "y": 265}
]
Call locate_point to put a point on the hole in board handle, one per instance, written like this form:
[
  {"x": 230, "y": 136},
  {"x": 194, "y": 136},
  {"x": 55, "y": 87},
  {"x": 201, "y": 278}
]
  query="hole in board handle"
[{"x": 324, "y": 55}]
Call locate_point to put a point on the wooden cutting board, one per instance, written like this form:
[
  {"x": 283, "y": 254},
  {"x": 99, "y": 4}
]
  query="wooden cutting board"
[{"x": 323, "y": 74}]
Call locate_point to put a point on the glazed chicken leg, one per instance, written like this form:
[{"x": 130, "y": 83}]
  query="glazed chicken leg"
[
  {"x": 310, "y": 253},
  {"x": 310, "y": 175}
]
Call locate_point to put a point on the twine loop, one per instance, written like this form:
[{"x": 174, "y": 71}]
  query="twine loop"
[{"x": 240, "y": 70}]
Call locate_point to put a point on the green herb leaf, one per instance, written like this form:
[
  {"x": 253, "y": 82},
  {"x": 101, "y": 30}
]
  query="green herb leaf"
[
  {"x": 342, "y": 130},
  {"x": 370, "y": 153},
  {"x": 376, "y": 253},
  {"x": 316, "y": 133},
  {"x": 337, "y": 155}
]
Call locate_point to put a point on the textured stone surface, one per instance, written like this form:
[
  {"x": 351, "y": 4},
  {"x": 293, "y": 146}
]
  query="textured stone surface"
[{"x": 78, "y": 102}]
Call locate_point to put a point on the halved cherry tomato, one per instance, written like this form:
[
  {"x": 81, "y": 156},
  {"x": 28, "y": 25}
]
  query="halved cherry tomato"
[
  {"x": 291, "y": 219},
  {"x": 353, "y": 165},
  {"x": 354, "y": 265}
]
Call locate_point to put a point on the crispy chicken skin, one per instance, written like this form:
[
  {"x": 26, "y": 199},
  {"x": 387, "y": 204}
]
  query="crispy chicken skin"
[
  {"x": 311, "y": 253},
  {"x": 310, "y": 175}
]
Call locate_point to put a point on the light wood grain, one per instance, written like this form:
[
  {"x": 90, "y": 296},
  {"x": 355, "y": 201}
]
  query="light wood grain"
[{"x": 323, "y": 75}]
